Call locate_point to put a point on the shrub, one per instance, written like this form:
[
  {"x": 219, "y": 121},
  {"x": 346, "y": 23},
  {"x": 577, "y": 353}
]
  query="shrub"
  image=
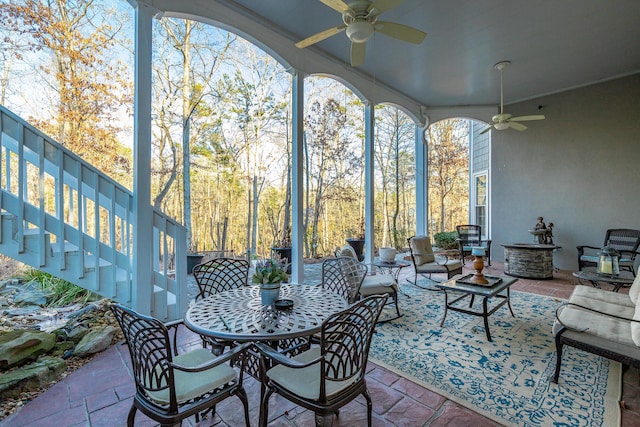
[
  {"x": 446, "y": 240},
  {"x": 63, "y": 292}
]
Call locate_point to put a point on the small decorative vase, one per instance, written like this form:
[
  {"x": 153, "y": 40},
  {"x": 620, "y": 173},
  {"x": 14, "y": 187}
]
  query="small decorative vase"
[{"x": 269, "y": 293}]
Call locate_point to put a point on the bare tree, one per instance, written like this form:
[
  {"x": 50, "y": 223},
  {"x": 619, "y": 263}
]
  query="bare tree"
[
  {"x": 448, "y": 172},
  {"x": 88, "y": 86}
]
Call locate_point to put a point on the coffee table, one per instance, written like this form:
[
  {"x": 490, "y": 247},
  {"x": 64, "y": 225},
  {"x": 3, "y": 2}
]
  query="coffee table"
[
  {"x": 497, "y": 285},
  {"x": 589, "y": 274}
]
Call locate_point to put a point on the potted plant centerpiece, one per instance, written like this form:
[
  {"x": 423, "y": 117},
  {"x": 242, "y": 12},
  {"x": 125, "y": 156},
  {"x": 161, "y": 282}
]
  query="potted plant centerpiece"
[{"x": 270, "y": 274}]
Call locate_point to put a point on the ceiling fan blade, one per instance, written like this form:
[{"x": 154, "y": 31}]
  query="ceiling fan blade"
[
  {"x": 527, "y": 118},
  {"x": 517, "y": 126},
  {"x": 485, "y": 130},
  {"x": 357, "y": 53},
  {"x": 400, "y": 32},
  {"x": 337, "y": 5},
  {"x": 381, "y": 6},
  {"x": 320, "y": 36}
]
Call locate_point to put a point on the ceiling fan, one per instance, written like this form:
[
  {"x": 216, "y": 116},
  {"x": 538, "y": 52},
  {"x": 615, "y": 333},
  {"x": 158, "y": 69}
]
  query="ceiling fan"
[
  {"x": 360, "y": 22},
  {"x": 504, "y": 121}
]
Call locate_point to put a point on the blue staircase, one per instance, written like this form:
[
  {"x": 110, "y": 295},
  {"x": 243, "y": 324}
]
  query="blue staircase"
[{"x": 61, "y": 215}]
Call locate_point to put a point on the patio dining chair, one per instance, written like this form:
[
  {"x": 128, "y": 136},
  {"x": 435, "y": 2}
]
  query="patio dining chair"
[
  {"x": 171, "y": 387},
  {"x": 215, "y": 276},
  {"x": 343, "y": 277},
  {"x": 470, "y": 236},
  {"x": 330, "y": 375},
  {"x": 624, "y": 240}
]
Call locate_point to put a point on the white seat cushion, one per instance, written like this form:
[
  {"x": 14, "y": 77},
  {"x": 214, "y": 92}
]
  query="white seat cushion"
[
  {"x": 378, "y": 284},
  {"x": 434, "y": 267},
  {"x": 305, "y": 382},
  {"x": 614, "y": 329},
  {"x": 190, "y": 385},
  {"x": 634, "y": 290},
  {"x": 591, "y": 293}
]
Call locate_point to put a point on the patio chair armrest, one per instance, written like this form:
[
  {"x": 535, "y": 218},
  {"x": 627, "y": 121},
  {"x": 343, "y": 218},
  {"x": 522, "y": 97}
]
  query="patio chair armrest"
[
  {"x": 223, "y": 358},
  {"x": 267, "y": 351},
  {"x": 593, "y": 310},
  {"x": 583, "y": 247},
  {"x": 444, "y": 254}
]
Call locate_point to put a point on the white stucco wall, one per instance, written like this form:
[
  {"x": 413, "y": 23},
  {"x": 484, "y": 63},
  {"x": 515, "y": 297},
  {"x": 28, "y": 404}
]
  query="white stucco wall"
[{"x": 579, "y": 168}]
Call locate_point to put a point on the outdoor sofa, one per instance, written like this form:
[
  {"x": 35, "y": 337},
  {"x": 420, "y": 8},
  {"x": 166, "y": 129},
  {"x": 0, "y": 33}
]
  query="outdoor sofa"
[{"x": 600, "y": 322}]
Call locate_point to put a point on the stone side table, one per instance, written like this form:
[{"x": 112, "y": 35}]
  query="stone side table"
[{"x": 529, "y": 261}]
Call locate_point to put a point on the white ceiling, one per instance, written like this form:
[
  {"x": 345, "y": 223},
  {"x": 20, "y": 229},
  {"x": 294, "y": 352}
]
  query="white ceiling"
[{"x": 553, "y": 45}]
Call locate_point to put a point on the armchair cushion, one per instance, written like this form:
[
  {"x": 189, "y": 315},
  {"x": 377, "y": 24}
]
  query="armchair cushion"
[
  {"x": 378, "y": 284},
  {"x": 190, "y": 385},
  {"x": 422, "y": 250},
  {"x": 305, "y": 382},
  {"x": 346, "y": 250},
  {"x": 440, "y": 267}
]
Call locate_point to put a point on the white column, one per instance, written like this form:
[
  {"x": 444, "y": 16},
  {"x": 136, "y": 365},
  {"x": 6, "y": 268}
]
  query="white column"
[
  {"x": 369, "y": 118},
  {"x": 422, "y": 182},
  {"x": 142, "y": 226},
  {"x": 297, "y": 158}
]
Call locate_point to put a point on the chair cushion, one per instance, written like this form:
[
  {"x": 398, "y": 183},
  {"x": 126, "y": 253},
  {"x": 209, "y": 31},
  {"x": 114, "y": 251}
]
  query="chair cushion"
[
  {"x": 635, "y": 327},
  {"x": 305, "y": 382},
  {"x": 582, "y": 293},
  {"x": 422, "y": 250},
  {"x": 469, "y": 247},
  {"x": 614, "y": 329},
  {"x": 634, "y": 290},
  {"x": 190, "y": 385},
  {"x": 347, "y": 250},
  {"x": 378, "y": 284},
  {"x": 434, "y": 267}
]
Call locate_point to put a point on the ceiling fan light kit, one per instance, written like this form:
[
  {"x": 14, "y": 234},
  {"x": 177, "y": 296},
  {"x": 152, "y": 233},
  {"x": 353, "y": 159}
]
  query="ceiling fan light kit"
[
  {"x": 360, "y": 31},
  {"x": 360, "y": 19},
  {"x": 504, "y": 121}
]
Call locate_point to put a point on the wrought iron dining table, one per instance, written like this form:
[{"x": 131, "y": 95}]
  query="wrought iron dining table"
[{"x": 238, "y": 314}]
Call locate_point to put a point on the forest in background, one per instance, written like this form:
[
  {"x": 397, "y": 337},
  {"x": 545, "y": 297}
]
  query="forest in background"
[{"x": 221, "y": 159}]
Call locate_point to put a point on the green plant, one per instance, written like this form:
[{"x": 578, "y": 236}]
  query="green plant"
[
  {"x": 63, "y": 292},
  {"x": 273, "y": 270},
  {"x": 446, "y": 240}
]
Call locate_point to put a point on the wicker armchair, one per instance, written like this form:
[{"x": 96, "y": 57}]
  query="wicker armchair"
[
  {"x": 329, "y": 376},
  {"x": 171, "y": 387},
  {"x": 624, "y": 240},
  {"x": 470, "y": 236}
]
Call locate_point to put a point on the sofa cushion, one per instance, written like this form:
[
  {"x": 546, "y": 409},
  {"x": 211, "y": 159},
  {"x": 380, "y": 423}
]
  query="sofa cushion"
[
  {"x": 422, "y": 250},
  {"x": 635, "y": 326},
  {"x": 613, "y": 329},
  {"x": 591, "y": 293},
  {"x": 634, "y": 290}
]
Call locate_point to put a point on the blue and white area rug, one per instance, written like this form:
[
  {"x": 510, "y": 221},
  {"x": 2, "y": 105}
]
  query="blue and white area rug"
[{"x": 506, "y": 380}]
